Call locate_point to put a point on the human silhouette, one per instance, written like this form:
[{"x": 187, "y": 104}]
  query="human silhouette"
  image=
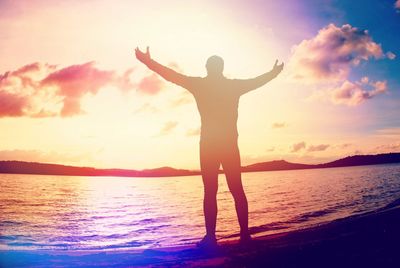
[{"x": 217, "y": 99}]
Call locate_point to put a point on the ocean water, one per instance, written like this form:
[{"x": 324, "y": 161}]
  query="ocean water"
[{"x": 91, "y": 213}]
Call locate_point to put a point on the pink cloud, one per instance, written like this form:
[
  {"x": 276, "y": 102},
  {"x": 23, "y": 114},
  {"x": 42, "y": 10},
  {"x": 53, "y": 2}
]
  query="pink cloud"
[
  {"x": 397, "y": 4},
  {"x": 12, "y": 104},
  {"x": 18, "y": 89},
  {"x": 26, "y": 76},
  {"x": 330, "y": 54},
  {"x": 353, "y": 94},
  {"x": 124, "y": 82},
  {"x": 150, "y": 85},
  {"x": 329, "y": 57},
  {"x": 77, "y": 80},
  {"x": 379, "y": 87},
  {"x": 43, "y": 90},
  {"x": 71, "y": 107}
]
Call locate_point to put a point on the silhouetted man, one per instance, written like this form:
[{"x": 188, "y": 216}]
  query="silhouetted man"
[{"x": 217, "y": 99}]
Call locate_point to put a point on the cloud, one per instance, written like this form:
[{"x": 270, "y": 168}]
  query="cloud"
[
  {"x": 330, "y": 54},
  {"x": 12, "y": 104},
  {"x": 388, "y": 132},
  {"x": 150, "y": 85},
  {"x": 327, "y": 59},
  {"x": 20, "y": 90},
  {"x": 298, "y": 147},
  {"x": 73, "y": 82},
  {"x": 124, "y": 82},
  {"x": 168, "y": 127},
  {"x": 388, "y": 148},
  {"x": 193, "y": 132},
  {"x": 397, "y": 4},
  {"x": 311, "y": 148},
  {"x": 43, "y": 90},
  {"x": 147, "y": 107},
  {"x": 345, "y": 145},
  {"x": 352, "y": 94},
  {"x": 76, "y": 80},
  {"x": 316, "y": 148},
  {"x": 390, "y": 54},
  {"x": 153, "y": 84},
  {"x": 185, "y": 99},
  {"x": 278, "y": 125}
]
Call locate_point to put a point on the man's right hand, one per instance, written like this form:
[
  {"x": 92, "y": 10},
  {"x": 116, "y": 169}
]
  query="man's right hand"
[{"x": 143, "y": 57}]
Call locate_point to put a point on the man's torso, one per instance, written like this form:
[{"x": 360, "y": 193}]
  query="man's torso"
[{"x": 217, "y": 101}]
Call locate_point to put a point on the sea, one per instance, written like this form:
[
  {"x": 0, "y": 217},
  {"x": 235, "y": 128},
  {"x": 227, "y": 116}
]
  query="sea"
[{"x": 42, "y": 212}]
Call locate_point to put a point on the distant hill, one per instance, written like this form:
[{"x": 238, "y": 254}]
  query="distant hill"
[
  {"x": 20, "y": 167},
  {"x": 275, "y": 165},
  {"x": 356, "y": 160}
]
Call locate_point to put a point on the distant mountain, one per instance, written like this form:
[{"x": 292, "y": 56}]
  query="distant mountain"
[
  {"x": 356, "y": 160},
  {"x": 20, "y": 167},
  {"x": 275, "y": 165}
]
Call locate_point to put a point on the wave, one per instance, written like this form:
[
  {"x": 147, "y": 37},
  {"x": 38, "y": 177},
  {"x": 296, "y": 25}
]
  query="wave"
[{"x": 8, "y": 223}]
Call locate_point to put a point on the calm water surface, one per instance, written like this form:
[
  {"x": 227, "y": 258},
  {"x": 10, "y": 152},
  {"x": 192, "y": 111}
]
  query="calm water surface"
[{"x": 65, "y": 212}]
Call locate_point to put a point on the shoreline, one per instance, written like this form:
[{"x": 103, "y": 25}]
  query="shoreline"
[
  {"x": 36, "y": 168},
  {"x": 198, "y": 173},
  {"x": 368, "y": 240}
]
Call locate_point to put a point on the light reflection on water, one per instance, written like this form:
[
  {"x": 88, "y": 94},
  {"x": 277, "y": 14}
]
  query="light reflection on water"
[{"x": 63, "y": 212}]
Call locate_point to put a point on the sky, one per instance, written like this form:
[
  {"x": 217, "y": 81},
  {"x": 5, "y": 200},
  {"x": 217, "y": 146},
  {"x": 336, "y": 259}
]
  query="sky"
[{"x": 72, "y": 91}]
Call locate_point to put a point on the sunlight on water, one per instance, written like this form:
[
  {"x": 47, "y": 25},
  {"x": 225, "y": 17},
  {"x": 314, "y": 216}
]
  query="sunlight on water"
[{"x": 62, "y": 212}]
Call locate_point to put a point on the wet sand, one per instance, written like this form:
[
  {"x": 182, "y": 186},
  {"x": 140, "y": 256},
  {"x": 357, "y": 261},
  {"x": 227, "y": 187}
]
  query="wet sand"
[{"x": 367, "y": 240}]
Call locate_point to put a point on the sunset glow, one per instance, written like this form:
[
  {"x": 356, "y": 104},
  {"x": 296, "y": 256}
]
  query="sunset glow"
[{"x": 72, "y": 91}]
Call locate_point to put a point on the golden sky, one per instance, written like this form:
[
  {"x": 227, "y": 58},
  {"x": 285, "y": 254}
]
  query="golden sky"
[{"x": 72, "y": 92}]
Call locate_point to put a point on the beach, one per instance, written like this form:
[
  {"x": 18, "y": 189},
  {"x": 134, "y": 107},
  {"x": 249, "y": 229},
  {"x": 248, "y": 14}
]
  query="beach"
[{"x": 365, "y": 240}]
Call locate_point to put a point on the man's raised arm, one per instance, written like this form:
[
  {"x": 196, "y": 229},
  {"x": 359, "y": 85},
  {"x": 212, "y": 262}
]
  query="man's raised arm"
[
  {"x": 165, "y": 72},
  {"x": 246, "y": 85}
]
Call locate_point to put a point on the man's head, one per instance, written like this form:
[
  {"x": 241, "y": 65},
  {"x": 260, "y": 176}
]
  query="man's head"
[{"x": 215, "y": 65}]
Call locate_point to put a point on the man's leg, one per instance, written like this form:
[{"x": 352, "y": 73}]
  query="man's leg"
[
  {"x": 231, "y": 166},
  {"x": 209, "y": 170}
]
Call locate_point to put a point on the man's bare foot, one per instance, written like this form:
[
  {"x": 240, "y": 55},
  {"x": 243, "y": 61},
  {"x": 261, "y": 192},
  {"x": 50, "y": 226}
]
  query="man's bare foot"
[
  {"x": 245, "y": 239},
  {"x": 207, "y": 242}
]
